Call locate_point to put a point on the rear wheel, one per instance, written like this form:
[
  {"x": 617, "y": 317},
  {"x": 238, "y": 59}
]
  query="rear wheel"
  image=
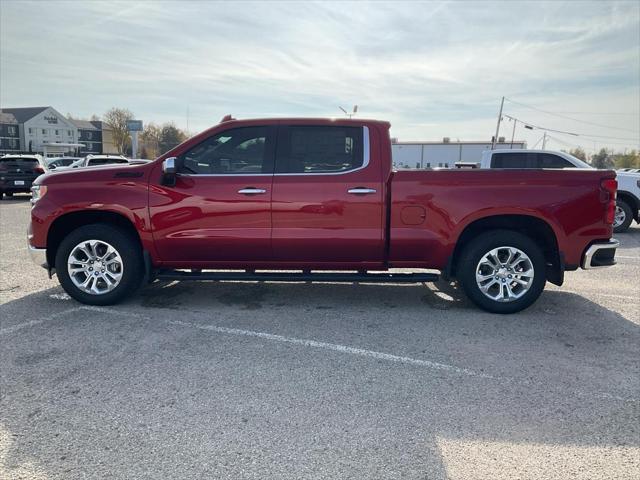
[
  {"x": 623, "y": 216},
  {"x": 99, "y": 264},
  {"x": 502, "y": 271}
]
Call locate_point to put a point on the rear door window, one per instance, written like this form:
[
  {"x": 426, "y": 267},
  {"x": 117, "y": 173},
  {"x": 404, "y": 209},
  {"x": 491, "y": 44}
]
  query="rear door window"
[{"x": 319, "y": 149}]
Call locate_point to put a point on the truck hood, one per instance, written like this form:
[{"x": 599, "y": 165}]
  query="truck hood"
[{"x": 102, "y": 173}]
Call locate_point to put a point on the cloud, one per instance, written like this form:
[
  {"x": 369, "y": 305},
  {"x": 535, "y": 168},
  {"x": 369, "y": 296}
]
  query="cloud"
[{"x": 433, "y": 69}]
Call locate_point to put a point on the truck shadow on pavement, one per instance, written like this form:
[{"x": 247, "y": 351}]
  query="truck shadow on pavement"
[{"x": 129, "y": 393}]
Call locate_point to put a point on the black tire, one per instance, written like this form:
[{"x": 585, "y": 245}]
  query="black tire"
[
  {"x": 628, "y": 216},
  {"x": 475, "y": 250},
  {"x": 1, "y": 194},
  {"x": 125, "y": 244}
]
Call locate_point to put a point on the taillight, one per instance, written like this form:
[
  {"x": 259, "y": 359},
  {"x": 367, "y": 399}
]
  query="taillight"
[
  {"x": 38, "y": 170},
  {"x": 608, "y": 188}
]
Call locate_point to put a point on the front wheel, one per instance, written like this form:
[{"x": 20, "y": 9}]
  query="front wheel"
[
  {"x": 502, "y": 271},
  {"x": 99, "y": 264}
]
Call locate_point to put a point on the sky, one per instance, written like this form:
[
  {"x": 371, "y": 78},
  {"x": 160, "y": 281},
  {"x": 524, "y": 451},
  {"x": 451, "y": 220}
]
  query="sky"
[{"x": 433, "y": 69}]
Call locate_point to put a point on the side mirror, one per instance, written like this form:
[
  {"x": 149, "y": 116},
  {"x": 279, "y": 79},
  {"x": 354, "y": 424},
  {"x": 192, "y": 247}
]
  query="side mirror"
[{"x": 169, "y": 171}]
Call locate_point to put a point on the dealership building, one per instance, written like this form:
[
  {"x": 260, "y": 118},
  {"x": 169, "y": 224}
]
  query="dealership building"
[
  {"x": 45, "y": 130},
  {"x": 444, "y": 154}
]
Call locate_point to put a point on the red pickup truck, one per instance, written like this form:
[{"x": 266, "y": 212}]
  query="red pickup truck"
[{"x": 317, "y": 199}]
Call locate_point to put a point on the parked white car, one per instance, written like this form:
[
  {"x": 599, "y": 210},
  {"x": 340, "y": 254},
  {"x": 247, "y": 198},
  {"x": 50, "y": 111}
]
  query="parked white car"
[
  {"x": 628, "y": 199},
  {"x": 54, "y": 163},
  {"x": 96, "y": 160}
]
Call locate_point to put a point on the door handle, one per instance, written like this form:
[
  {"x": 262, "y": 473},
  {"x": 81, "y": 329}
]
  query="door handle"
[
  {"x": 361, "y": 191},
  {"x": 252, "y": 191}
]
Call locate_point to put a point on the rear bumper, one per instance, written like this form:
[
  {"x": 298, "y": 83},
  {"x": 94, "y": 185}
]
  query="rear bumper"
[
  {"x": 600, "y": 254},
  {"x": 8, "y": 184}
]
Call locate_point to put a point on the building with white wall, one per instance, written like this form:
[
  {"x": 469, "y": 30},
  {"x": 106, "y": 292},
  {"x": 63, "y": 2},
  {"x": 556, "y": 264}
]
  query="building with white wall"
[
  {"x": 442, "y": 154},
  {"x": 42, "y": 125}
]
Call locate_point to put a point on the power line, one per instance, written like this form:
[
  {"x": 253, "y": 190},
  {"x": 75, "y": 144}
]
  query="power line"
[
  {"x": 570, "y": 118},
  {"x": 574, "y": 134},
  {"x": 635, "y": 114}
]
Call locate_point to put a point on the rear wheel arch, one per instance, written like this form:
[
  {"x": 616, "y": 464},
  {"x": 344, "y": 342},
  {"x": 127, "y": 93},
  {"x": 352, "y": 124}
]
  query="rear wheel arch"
[
  {"x": 535, "y": 228},
  {"x": 69, "y": 222}
]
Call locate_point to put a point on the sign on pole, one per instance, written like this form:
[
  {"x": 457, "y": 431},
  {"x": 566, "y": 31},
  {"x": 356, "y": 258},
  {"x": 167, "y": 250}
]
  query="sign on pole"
[{"x": 134, "y": 126}]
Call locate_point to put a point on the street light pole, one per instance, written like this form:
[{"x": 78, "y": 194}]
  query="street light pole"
[
  {"x": 495, "y": 138},
  {"x": 513, "y": 134}
]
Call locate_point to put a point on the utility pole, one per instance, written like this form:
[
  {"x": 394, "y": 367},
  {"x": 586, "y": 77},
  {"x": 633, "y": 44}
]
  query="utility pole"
[
  {"x": 513, "y": 134},
  {"x": 544, "y": 140},
  {"x": 495, "y": 139}
]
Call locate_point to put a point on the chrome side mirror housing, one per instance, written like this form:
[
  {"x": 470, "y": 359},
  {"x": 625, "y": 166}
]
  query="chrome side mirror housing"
[
  {"x": 169, "y": 166},
  {"x": 169, "y": 171}
]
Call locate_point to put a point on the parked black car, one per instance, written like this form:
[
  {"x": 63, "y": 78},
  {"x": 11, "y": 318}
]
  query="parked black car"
[{"x": 17, "y": 172}]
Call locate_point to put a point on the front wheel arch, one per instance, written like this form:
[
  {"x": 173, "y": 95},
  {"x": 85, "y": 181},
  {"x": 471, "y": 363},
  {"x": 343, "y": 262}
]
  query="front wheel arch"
[{"x": 68, "y": 222}]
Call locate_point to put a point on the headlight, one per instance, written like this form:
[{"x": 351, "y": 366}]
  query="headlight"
[{"x": 37, "y": 192}]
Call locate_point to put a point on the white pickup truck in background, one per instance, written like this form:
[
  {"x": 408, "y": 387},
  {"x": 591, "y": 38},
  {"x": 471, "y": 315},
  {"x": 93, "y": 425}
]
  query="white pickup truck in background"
[{"x": 628, "y": 199}]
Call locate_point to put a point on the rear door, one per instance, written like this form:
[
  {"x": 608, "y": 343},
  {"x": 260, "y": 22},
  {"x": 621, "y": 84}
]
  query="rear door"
[
  {"x": 327, "y": 196},
  {"x": 219, "y": 211}
]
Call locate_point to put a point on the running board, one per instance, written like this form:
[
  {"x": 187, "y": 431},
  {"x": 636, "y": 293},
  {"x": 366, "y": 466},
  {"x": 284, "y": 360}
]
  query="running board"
[{"x": 298, "y": 276}]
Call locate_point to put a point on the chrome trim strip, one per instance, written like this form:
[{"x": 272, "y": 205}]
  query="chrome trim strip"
[
  {"x": 38, "y": 256},
  {"x": 366, "y": 147},
  {"x": 595, "y": 248}
]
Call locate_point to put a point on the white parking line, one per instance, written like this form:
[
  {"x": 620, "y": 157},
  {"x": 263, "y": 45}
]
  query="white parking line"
[
  {"x": 31, "y": 323},
  {"x": 305, "y": 343},
  {"x": 632, "y": 300},
  {"x": 332, "y": 346}
]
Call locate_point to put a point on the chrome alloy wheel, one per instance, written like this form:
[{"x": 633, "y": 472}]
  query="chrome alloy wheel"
[
  {"x": 619, "y": 217},
  {"x": 95, "y": 267},
  {"x": 504, "y": 274}
]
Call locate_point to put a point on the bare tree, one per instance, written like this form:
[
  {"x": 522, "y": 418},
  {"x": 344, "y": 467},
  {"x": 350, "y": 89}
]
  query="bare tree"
[
  {"x": 171, "y": 136},
  {"x": 116, "y": 120},
  {"x": 579, "y": 153},
  {"x": 601, "y": 159},
  {"x": 150, "y": 137}
]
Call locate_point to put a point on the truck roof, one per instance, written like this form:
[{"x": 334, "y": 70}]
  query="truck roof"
[{"x": 303, "y": 120}]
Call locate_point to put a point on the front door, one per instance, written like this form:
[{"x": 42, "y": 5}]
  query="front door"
[
  {"x": 219, "y": 210},
  {"x": 327, "y": 197}
]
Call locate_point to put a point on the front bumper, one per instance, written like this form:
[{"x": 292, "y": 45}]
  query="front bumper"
[
  {"x": 38, "y": 256},
  {"x": 600, "y": 254}
]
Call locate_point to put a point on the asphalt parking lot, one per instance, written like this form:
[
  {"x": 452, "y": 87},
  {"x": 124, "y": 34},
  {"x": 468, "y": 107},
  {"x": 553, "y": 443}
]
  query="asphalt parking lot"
[{"x": 248, "y": 380}]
